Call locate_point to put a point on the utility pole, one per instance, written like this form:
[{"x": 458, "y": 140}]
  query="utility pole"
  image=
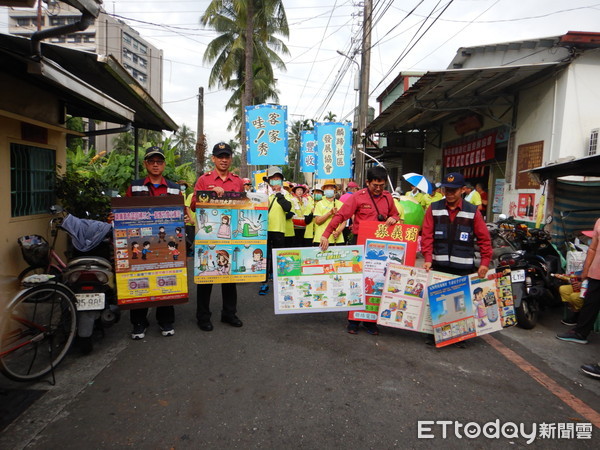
[
  {"x": 363, "y": 102},
  {"x": 200, "y": 140}
]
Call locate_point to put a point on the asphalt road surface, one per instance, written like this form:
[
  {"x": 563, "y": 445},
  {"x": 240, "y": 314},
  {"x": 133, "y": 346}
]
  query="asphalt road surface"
[{"x": 301, "y": 381}]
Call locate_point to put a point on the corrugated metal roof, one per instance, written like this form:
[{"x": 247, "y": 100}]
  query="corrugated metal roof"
[
  {"x": 438, "y": 94},
  {"x": 102, "y": 73}
]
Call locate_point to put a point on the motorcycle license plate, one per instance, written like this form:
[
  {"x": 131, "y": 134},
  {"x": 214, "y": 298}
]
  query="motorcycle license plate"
[
  {"x": 88, "y": 302},
  {"x": 517, "y": 276}
]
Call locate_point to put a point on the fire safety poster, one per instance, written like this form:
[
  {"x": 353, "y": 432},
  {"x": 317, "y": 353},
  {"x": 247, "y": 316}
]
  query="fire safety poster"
[
  {"x": 231, "y": 237},
  {"x": 149, "y": 242},
  {"x": 308, "y": 280}
]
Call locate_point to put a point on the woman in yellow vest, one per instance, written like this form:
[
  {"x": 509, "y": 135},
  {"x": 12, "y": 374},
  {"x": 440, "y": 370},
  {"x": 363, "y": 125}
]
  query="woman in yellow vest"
[{"x": 324, "y": 212}]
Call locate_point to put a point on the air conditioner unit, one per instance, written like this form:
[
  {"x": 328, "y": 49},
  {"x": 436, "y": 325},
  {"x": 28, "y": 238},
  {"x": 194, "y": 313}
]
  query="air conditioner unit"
[{"x": 593, "y": 143}]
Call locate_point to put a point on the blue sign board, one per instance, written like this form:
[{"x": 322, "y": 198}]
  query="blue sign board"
[
  {"x": 308, "y": 151},
  {"x": 266, "y": 134},
  {"x": 334, "y": 149}
]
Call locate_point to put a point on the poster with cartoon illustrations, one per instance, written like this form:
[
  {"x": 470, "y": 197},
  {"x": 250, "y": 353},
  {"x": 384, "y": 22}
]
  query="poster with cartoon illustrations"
[
  {"x": 469, "y": 306},
  {"x": 402, "y": 239},
  {"x": 308, "y": 280},
  {"x": 231, "y": 237},
  {"x": 149, "y": 242},
  {"x": 377, "y": 254},
  {"x": 404, "y": 302}
]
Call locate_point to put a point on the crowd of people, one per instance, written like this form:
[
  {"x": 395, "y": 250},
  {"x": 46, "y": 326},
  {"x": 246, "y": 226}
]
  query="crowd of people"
[{"x": 324, "y": 216}]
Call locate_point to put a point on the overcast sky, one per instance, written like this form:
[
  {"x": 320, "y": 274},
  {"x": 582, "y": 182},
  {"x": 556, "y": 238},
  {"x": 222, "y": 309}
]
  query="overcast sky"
[{"x": 318, "y": 28}]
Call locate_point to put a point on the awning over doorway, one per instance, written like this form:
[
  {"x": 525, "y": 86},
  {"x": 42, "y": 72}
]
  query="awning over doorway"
[
  {"x": 588, "y": 166},
  {"x": 438, "y": 94}
]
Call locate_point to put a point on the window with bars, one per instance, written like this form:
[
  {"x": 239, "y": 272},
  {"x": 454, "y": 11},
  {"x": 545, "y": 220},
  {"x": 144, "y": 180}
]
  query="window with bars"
[{"x": 32, "y": 171}]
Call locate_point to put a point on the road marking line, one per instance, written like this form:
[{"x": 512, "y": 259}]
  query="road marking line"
[{"x": 569, "y": 399}]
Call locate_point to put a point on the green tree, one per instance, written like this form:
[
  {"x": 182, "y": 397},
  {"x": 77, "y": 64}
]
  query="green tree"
[
  {"x": 330, "y": 117},
  {"x": 247, "y": 38},
  {"x": 185, "y": 141}
]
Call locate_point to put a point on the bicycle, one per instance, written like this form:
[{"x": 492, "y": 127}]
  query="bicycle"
[
  {"x": 41, "y": 257},
  {"x": 37, "y": 328}
]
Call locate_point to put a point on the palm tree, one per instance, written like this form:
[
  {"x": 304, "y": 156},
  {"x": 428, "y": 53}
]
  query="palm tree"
[
  {"x": 185, "y": 141},
  {"x": 330, "y": 117},
  {"x": 233, "y": 52}
]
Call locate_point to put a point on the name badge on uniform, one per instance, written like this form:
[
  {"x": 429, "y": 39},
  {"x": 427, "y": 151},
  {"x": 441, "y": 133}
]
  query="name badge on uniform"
[{"x": 464, "y": 236}]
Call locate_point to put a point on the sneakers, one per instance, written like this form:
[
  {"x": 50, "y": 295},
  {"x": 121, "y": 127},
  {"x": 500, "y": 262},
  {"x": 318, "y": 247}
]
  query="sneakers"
[
  {"x": 139, "y": 332},
  {"x": 572, "y": 336},
  {"x": 593, "y": 370},
  {"x": 264, "y": 289},
  {"x": 372, "y": 328},
  {"x": 167, "y": 329},
  {"x": 352, "y": 328}
]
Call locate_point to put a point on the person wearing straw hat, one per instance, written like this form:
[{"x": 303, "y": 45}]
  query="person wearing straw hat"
[
  {"x": 302, "y": 207},
  {"x": 324, "y": 212}
]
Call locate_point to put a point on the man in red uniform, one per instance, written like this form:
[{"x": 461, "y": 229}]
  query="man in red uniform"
[
  {"x": 219, "y": 180},
  {"x": 372, "y": 203},
  {"x": 154, "y": 185}
]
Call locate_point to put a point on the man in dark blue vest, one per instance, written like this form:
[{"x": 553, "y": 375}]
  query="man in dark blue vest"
[
  {"x": 450, "y": 230},
  {"x": 154, "y": 185}
]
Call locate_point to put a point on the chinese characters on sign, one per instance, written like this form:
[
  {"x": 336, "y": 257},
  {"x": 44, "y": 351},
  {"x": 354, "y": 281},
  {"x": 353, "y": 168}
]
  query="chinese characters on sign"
[
  {"x": 149, "y": 245},
  {"x": 529, "y": 156},
  {"x": 472, "y": 152},
  {"x": 334, "y": 145},
  {"x": 308, "y": 152},
  {"x": 266, "y": 135}
]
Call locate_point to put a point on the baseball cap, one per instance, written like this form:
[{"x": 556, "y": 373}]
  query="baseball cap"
[
  {"x": 151, "y": 151},
  {"x": 453, "y": 180},
  {"x": 352, "y": 184},
  {"x": 274, "y": 170},
  {"x": 222, "y": 149}
]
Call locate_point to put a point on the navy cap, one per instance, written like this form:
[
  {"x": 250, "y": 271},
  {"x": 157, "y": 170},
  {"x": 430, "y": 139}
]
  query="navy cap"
[
  {"x": 222, "y": 149},
  {"x": 151, "y": 151},
  {"x": 453, "y": 180}
]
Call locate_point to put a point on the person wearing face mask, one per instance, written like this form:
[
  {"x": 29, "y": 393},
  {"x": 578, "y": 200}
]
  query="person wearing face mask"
[
  {"x": 309, "y": 233},
  {"x": 279, "y": 206},
  {"x": 324, "y": 212}
]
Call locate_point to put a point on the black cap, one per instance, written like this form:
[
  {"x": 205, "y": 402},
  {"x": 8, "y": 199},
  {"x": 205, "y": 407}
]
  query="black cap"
[
  {"x": 151, "y": 151},
  {"x": 222, "y": 149},
  {"x": 453, "y": 180}
]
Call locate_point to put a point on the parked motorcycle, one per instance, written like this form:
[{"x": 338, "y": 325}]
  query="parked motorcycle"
[
  {"x": 534, "y": 287},
  {"x": 90, "y": 276}
]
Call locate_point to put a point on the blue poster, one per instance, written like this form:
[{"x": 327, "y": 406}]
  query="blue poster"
[
  {"x": 308, "y": 151},
  {"x": 266, "y": 135},
  {"x": 334, "y": 148}
]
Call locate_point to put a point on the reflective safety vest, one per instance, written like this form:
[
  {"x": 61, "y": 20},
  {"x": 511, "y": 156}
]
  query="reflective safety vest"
[
  {"x": 453, "y": 243},
  {"x": 138, "y": 188}
]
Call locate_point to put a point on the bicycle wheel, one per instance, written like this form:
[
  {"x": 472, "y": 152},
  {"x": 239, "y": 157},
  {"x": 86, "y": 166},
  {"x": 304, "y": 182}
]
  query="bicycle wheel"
[
  {"x": 36, "y": 332},
  {"x": 34, "y": 270}
]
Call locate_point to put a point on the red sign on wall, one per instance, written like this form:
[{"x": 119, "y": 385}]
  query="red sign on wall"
[{"x": 472, "y": 152}]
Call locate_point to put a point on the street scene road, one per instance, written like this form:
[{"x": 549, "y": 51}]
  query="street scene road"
[{"x": 301, "y": 381}]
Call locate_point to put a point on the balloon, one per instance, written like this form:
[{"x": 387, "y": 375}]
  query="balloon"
[{"x": 413, "y": 212}]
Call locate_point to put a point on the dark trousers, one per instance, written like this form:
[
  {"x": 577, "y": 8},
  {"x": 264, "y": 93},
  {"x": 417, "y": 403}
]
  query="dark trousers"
[
  {"x": 275, "y": 239},
  {"x": 589, "y": 310},
  {"x": 229, "y": 293},
  {"x": 458, "y": 272},
  {"x": 190, "y": 236},
  {"x": 164, "y": 315},
  {"x": 299, "y": 240}
]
